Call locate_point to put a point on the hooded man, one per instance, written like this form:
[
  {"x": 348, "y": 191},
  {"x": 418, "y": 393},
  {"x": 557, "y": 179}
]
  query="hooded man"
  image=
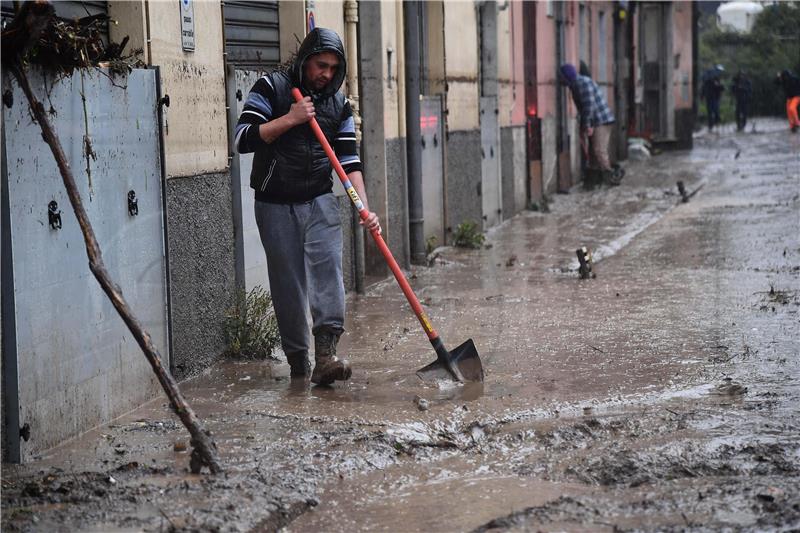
[
  {"x": 712, "y": 92},
  {"x": 596, "y": 118},
  {"x": 791, "y": 89},
  {"x": 742, "y": 90},
  {"x": 296, "y": 212}
]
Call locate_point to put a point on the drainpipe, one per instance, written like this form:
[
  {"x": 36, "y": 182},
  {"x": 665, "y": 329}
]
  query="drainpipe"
[
  {"x": 351, "y": 50},
  {"x": 147, "y": 33},
  {"x": 413, "y": 136},
  {"x": 8, "y": 324},
  {"x": 695, "y": 64}
]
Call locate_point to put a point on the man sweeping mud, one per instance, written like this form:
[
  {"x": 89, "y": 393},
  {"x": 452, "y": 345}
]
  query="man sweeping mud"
[{"x": 296, "y": 212}]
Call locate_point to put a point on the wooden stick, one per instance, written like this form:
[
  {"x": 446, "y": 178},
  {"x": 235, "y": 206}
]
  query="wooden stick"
[{"x": 204, "y": 452}]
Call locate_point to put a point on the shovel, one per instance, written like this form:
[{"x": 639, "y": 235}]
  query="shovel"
[{"x": 463, "y": 363}]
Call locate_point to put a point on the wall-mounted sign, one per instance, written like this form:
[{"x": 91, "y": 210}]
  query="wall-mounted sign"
[
  {"x": 187, "y": 25},
  {"x": 311, "y": 21}
]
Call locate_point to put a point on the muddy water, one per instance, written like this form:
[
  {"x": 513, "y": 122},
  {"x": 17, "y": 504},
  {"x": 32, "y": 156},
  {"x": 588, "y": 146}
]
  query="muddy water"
[{"x": 660, "y": 395}]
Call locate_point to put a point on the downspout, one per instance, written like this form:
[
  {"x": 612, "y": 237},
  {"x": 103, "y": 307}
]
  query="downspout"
[
  {"x": 351, "y": 51},
  {"x": 400, "y": 66},
  {"x": 147, "y": 32},
  {"x": 413, "y": 135},
  {"x": 695, "y": 65}
]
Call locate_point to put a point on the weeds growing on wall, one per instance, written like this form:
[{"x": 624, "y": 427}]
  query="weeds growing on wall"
[
  {"x": 467, "y": 235},
  {"x": 430, "y": 244},
  {"x": 251, "y": 330}
]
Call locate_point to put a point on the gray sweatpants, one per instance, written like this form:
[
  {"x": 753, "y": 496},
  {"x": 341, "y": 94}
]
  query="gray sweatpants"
[{"x": 303, "y": 243}]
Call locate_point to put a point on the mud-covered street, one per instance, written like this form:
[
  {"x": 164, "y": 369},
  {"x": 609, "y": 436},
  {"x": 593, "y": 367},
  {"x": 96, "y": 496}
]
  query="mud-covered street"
[{"x": 661, "y": 395}]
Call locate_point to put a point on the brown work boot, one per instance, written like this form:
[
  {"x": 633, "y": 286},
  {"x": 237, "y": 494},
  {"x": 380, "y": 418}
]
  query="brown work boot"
[
  {"x": 328, "y": 367},
  {"x": 299, "y": 364},
  {"x": 611, "y": 178}
]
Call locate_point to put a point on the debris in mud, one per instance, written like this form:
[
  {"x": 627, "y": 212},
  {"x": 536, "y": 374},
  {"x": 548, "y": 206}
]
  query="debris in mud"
[
  {"x": 638, "y": 149},
  {"x": 133, "y": 465},
  {"x": 32, "y": 490},
  {"x": 781, "y": 297},
  {"x": 179, "y": 446},
  {"x": 511, "y": 260},
  {"x": 585, "y": 260},
  {"x": 159, "y": 426},
  {"x": 682, "y": 192},
  {"x": 770, "y": 495},
  {"x": 421, "y": 403},
  {"x": 730, "y": 388}
]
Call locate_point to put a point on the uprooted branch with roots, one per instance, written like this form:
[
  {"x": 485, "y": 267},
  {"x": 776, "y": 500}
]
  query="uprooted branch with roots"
[{"x": 35, "y": 36}]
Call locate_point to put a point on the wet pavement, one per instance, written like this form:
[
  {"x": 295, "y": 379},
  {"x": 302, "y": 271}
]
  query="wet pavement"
[{"x": 661, "y": 395}]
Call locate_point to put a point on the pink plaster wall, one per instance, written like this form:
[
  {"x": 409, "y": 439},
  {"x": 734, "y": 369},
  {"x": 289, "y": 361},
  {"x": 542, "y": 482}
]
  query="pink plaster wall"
[
  {"x": 518, "y": 55},
  {"x": 545, "y": 62},
  {"x": 546, "y": 54},
  {"x": 682, "y": 45}
]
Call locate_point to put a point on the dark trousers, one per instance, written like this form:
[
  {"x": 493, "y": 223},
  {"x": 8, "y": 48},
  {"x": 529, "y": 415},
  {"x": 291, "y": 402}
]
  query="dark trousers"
[
  {"x": 712, "y": 105},
  {"x": 742, "y": 107}
]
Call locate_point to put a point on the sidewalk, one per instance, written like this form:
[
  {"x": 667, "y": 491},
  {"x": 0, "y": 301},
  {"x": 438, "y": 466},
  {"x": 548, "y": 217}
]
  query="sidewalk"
[{"x": 671, "y": 280}]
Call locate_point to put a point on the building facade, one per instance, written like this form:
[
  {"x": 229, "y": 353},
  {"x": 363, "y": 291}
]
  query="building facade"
[{"x": 497, "y": 134}]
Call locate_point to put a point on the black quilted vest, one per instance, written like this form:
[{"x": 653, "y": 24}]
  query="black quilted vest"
[{"x": 294, "y": 168}]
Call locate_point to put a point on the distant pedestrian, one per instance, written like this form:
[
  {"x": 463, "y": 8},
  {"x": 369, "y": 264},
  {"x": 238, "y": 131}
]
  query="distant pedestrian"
[
  {"x": 791, "y": 89},
  {"x": 596, "y": 119},
  {"x": 742, "y": 91},
  {"x": 712, "y": 93}
]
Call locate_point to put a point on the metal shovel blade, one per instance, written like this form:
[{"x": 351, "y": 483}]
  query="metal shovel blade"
[{"x": 462, "y": 364}]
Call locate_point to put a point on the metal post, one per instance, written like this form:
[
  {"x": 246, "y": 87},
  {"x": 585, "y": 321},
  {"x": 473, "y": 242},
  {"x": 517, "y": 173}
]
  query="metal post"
[
  {"x": 10, "y": 423},
  {"x": 351, "y": 37},
  {"x": 413, "y": 135},
  {"x": 236, "y": 181},
  {"x": 165, "y": 218}
]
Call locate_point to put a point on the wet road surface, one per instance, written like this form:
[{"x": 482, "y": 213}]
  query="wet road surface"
[{"x": 661, "y": 395}]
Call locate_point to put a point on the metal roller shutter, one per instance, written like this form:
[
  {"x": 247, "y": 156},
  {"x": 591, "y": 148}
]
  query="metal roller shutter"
[{"x": 251, "y": 34}]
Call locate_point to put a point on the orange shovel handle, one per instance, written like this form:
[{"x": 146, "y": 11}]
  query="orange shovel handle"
[{"x": 363, "y": 213}]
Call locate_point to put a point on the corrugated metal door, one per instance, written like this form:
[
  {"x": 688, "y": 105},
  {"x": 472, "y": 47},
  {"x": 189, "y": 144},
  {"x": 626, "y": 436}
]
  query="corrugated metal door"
[
  {"x": 252, "y": 49},
  {"x": 78, "y": 365},
  {"x": 252, "y": 38},
  {"x": 430, "y": 110},
  {"x": 251, "y": 262}
]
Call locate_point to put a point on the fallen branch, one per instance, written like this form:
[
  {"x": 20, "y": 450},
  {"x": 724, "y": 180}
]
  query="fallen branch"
[{"x": 204, "y": 451}]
